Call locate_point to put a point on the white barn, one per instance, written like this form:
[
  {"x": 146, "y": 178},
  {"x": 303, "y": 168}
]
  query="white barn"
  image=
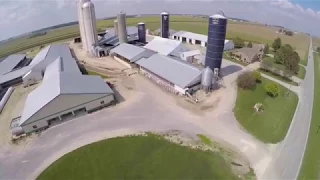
[
  {"x": 200, "y": 39},
  {"x": 166, "y": 47},
  {"x": 64, "y": 93}
]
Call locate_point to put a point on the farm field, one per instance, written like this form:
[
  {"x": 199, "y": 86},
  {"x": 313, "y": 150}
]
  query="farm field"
[
  {"x": 311, "y": 160},
  {"x": 139, "y": 157},
  {"x": 271, "y": 125},
  {"x": 248, "y": 31}
]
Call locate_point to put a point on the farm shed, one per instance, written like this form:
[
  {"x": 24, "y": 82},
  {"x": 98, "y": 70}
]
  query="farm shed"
[
  {"x": 166, "y": 47},
  {"x": 65, "y": 94},
  {"x": 176, "y": 76},
  {"x": 200, "y": 39}
]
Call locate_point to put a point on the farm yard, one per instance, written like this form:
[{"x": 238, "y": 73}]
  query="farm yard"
[{"x": 248, "y": 31}]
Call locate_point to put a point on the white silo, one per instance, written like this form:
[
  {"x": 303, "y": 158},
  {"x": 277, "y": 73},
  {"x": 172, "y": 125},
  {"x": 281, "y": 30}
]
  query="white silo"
[
  {"x": 90, "y": 29},
  {"x": 80, "y": 20},
  {"x": 116, "y": 27},
  {"x": 122, "y": 28},
  {"x": 207, "y": 79}
]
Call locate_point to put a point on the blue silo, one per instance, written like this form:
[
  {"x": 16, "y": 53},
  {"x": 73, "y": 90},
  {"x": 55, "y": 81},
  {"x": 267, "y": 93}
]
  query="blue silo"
[
  {"x": 215, "y": 44},
  {"x": 164, "y": 25},
  {"x": 142, "y": 32}
]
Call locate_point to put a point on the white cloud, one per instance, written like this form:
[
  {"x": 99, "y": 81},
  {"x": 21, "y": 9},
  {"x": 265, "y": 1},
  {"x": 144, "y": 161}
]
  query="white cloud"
[{"x": 20, "y": 16}]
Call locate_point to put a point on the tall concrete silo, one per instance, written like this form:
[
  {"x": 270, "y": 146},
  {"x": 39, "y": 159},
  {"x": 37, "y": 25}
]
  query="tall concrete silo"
[
  {"x": 80, "y": 20},
  {"x": 115, "y": 27},
  {"x": 215, "y": 45},
  {"x": 122, "y": 28},
  {"x": 89, "y": 22},
  {"x": 142, "y": 32},
  {"x": 164, "y": 25}
]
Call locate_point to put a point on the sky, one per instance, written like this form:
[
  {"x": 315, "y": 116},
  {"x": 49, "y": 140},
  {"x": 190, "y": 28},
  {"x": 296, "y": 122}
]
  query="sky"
[{"x": 21, "y": 16}]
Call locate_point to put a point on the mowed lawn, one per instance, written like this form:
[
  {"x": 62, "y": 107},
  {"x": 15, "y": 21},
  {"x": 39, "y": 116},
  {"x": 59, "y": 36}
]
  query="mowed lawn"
[
  {"x": 138, "y": 157},
  {"x": 271, "y": 125},
  {"x": 311, "y": 161}
]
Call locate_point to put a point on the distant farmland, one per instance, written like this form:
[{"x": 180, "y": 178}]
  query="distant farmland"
[{"x": 248, "y": 31}]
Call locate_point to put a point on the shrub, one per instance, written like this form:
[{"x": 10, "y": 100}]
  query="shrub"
[
  {"x": 249, "y": 45},
  {"x": 246, "y": 81},
  {"x": 257, "y": 76},
  {"x": 272, "y": 89}
]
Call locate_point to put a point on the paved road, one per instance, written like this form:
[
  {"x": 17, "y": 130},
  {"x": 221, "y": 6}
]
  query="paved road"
[
  {"x": 145, "y": 113},
  {"x": 289, "y": 153}
]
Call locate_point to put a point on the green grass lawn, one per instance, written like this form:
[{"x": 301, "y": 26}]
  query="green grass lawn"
[
  {"x": 271, "y": 125},
  {"x": 138, "y": 157},
  {"x": 96, "y": 74},
  {"x": 311, "y": 161},
  {"x": 304, "y": 61},
  {"x": 301, "y": 74},
  {"x": 281, "y": 78}
]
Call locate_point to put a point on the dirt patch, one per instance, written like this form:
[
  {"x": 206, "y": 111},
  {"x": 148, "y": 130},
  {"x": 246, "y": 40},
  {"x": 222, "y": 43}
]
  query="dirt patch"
[{"x": 237, "y": 161}]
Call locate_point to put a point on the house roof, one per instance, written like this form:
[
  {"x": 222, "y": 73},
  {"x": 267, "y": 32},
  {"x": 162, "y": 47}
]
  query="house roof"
[
  {"x": 175, "y": 71},
  {"x": 163, "y": 46},
  {"x": 249, "y": 52},
  {"x": 58, "y": 81},
  {"x": 7, "y": 64},
  {"x": 128, "y": 51}
]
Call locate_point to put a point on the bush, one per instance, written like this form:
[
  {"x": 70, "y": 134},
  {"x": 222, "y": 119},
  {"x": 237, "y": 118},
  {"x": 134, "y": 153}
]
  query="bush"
[
  {"x": 272, "y": 89},
  {"x": 246, "y": 81},
  {"x": 257, "y": 76},
  {"x": 249, "y": 45}
]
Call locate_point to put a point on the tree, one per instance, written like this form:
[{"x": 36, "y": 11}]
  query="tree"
[
  {"x": 266, "y": 65},
  {"x": 288, "y": 33},
  {"x": 238, "y": 42},
  {"x": 279, "y": 57},
  {"x": 292, "y": 62},
  {"x": 276, "y": 71},
  {"x": 266, "y": 49},
  {"x": 249, "y": 45},
  {"x": 276, "y": 44},
  {"x": 257, "y": 76},
  {"x": 280, "y": 30},
  {"x": 272, "y": 89},
  {"x": 318, "y": 49},
  {"x": 246, "y": 81}
]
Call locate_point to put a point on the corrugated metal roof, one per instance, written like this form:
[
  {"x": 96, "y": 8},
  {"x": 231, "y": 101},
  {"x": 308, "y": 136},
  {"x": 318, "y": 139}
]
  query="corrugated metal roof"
[
  {"x": 128, "y": 51},
  {"x": 163, "y": 46},
  {"x": 40, "y": 56},
  {"x": 14, "y": 74},
  {"x": 10, "y": 62},
  {"x": 62, "y": 84},
  {"x": 191, "y": 53},
  {"x": 175, "y": 71}
]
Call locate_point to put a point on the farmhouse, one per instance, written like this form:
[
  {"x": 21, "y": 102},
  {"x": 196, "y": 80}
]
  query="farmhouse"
[{"x": 249, "y": 55}]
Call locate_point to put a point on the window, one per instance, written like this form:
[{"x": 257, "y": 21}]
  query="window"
[
  {"x": 34, "y": 127},
  {"x": 102, "y": 102}
]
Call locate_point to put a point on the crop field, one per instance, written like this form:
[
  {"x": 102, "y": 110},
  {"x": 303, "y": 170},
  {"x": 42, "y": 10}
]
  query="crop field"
[
  {"x": 316, "y": 41},
  {"x": 248, "y": 31}
]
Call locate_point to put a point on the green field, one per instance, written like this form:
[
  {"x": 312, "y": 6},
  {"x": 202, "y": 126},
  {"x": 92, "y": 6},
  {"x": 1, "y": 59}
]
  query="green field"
[
  {"x": 311, "y": 161},
  {"x": 138, "y": 157},
  {"x": 271, "y": 125},
  {"x": 301, "y": 74},
  {"x": 248, "y": 31}
]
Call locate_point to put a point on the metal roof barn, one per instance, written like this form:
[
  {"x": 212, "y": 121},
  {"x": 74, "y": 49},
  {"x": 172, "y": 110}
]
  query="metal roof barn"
[
  {"x": 61, "y": 80},
  {"x": 178, "y": 72},
  {"x": 131, "y": 52},
  {"x": 10, "y": 62},
  {"x": 166, "y": 46}
]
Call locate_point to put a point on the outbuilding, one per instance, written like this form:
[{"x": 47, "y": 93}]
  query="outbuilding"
[
  {"x": 166, "y": 47},
  {"x": 175, "y": 75},
  {"x": 200, "y": 39}
]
